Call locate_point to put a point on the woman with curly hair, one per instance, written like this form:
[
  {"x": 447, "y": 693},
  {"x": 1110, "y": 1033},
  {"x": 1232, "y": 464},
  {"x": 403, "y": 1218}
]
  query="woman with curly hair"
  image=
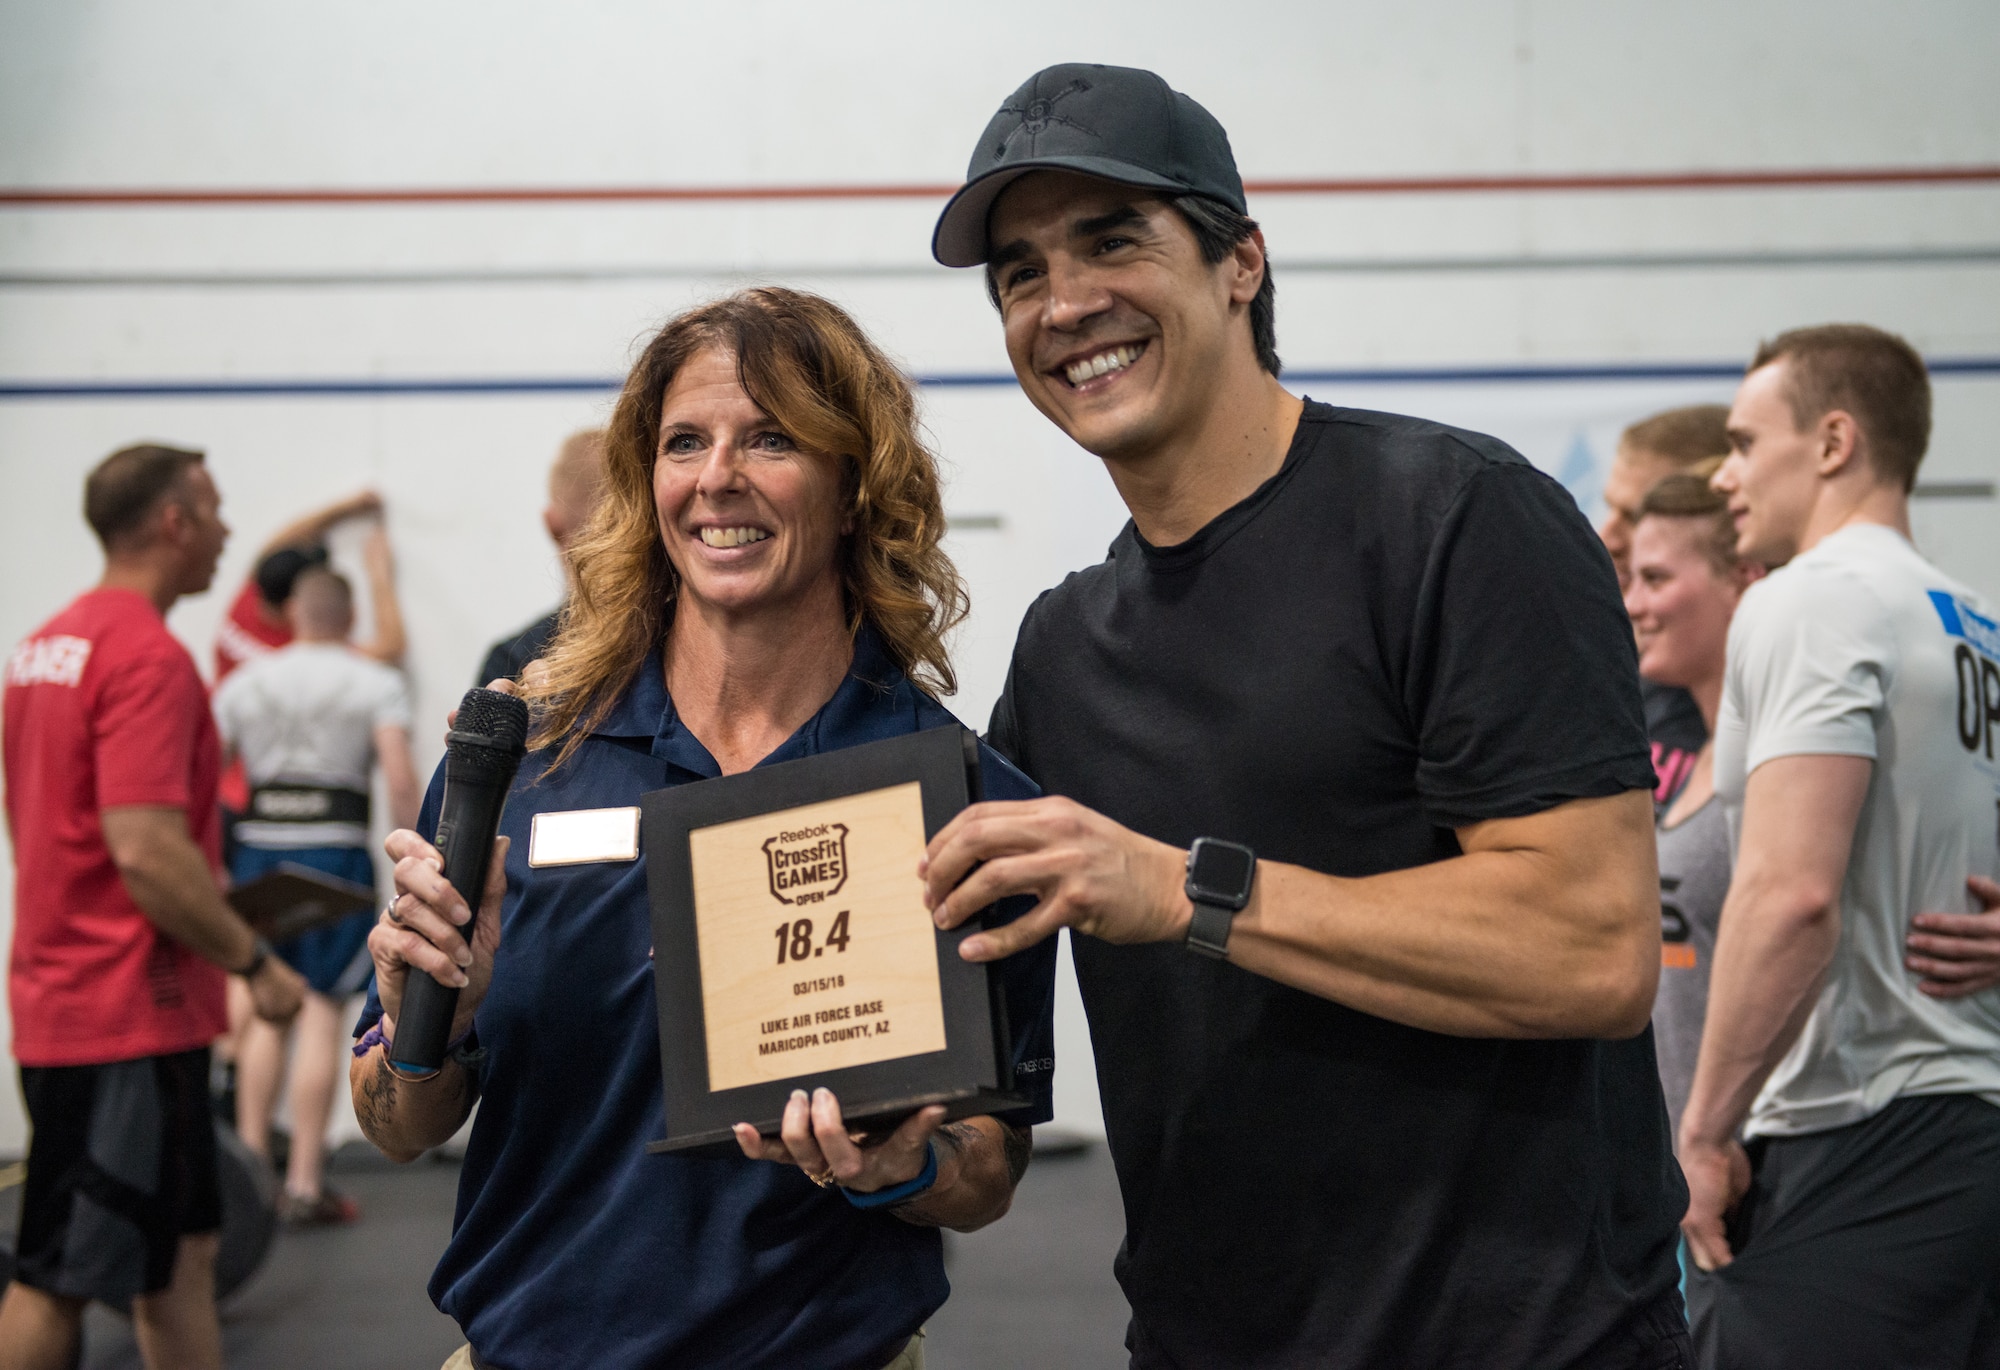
[{"x": 762, "y": 582}]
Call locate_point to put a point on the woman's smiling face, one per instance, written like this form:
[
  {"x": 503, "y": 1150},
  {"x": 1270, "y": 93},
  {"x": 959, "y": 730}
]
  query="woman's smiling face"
[
  {"x": 1680, "y": 605},
  {"x": 750, "y": 521}
]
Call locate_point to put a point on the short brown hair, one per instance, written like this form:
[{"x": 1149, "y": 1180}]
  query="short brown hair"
[
  {"x": 323, "y": 599},
  {"x": 1688, "y": 495},
  {"x": 577, "y": 477},
  {"x": 1682, "y": 436},
  {"x": 806, "y": 363},
  {"x": 1872, "y": 374},
  {"x": 122, "y": 491}
]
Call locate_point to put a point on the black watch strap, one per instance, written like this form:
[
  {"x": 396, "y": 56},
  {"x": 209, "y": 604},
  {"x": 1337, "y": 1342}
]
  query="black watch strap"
[
  {"x": 259, "y": 954},
  {"x": 1208, "y": 930},
  {"x": 1219, "y": 876}
]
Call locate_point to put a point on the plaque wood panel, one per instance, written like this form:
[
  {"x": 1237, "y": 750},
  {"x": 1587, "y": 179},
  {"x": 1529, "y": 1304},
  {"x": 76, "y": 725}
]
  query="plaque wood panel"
[
  {"x": 728, "y": 860},
  {"x": 837, "y": 881}
]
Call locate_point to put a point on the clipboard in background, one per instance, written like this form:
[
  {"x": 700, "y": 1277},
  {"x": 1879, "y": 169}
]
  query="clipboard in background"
[{"x": 293, "y": 899}]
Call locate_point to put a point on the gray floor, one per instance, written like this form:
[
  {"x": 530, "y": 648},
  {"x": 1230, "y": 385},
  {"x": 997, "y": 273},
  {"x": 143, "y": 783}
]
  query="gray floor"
[{"x": 1034, "y": 1290}]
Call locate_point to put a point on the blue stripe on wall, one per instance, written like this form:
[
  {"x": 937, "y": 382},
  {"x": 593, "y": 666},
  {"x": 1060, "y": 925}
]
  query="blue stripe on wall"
[{"x": 531, "y": 385}]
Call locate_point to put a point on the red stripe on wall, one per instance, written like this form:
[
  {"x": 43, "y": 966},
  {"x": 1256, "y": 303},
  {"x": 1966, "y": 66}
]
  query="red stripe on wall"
[{"x": 1819, "y": 178}]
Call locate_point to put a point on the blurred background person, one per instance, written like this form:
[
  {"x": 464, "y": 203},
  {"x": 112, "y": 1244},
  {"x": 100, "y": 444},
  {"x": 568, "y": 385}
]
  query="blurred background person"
[
  {"x": 121, "y": 934},
  {"x": 1649, "y": 451},
  {"x": 310, "y": 722},
  {"x": 768, "y": 584},
  {"x": 1685, "y": 581},
  {"x": 256, "y": 624},
  {"x": 1841, "y": 1139},
  {"x": 576, "y": 484}
]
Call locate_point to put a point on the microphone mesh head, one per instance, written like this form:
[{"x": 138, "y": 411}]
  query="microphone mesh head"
[{"x": 500, "y": 720}]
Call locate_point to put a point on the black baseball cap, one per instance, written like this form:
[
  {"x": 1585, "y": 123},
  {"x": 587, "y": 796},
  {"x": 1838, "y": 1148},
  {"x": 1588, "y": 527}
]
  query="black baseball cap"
[
  {"x": 277, "y": 573},
  {"x": 1118, "y": 123}
]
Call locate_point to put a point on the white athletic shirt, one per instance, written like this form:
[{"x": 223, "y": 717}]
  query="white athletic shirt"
[
  {"x": 1860, "y": 647},
  {"x": 307, "y": 714}
]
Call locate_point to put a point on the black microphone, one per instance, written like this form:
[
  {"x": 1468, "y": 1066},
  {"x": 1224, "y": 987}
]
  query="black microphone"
[{"x": 481, "y": 755}]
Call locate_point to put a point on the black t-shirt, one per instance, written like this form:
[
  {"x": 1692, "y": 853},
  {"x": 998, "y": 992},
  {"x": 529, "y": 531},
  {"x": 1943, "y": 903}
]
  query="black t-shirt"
[
  {"x": 1406, "y": 630},
  {"x": 510, "y": 656}
]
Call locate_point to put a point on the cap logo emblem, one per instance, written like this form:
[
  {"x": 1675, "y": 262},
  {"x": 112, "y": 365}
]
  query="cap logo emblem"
[{"x": 1039, "y": 113}]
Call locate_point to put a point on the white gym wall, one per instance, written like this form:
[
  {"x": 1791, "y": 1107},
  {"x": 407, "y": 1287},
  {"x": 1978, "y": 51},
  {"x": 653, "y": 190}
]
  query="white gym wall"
[{"x": 1494, "y": 309}]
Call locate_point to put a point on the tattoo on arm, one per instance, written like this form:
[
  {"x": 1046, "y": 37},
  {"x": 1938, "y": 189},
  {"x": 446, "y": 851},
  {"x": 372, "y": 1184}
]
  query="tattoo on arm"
[
  {"x": 959, "y": 1141},
  {"x": 377, "y": 1099},
  {"x": 1017, "y": 1144},
  {"x": 955, "y": 1140},
  {"x": 960, "y": 1137},
  {"x": 380, "y": 1095}
]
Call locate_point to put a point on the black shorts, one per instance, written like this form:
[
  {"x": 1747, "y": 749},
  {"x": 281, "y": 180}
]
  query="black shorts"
[
  {"x": 1875, "y": 1244},
  {"x": 121, "y": 1167}
]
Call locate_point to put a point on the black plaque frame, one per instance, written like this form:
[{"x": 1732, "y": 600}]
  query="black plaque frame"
[{"x": 972, "y": 1075}]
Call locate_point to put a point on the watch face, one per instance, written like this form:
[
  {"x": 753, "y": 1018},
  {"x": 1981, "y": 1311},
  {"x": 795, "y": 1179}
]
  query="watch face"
[{"x": 1222, "y": 869}]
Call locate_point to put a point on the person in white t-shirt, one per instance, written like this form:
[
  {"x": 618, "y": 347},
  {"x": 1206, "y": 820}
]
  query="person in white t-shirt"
[
  {"x": 1857, "y": 1221},
  {"x": 310, "y": 722}
]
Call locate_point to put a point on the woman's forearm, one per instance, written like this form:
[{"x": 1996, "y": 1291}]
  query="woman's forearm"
[
  {"x": 980, "y": 1160},
  {"x": 406, "y": 1118}
]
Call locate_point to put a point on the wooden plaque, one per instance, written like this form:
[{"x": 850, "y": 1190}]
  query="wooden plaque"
[{"x": 792, "y": 948}]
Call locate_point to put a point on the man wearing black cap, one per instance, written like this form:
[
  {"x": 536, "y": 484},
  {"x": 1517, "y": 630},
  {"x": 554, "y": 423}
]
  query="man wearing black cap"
[{"x": 1348, "y": 790}]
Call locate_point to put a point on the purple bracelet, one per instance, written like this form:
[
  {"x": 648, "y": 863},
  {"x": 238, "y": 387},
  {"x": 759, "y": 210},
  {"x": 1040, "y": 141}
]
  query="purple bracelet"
[{"x": 373, "y": 1038}]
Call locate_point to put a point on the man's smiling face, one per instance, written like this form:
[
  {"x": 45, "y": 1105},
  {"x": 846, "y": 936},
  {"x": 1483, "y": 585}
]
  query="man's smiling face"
[{"x": 1117, "y": 329}]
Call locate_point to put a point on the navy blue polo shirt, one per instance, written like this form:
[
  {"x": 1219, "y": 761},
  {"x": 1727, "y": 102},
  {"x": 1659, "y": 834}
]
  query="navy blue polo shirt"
[{"x": 571, "y": 1245}]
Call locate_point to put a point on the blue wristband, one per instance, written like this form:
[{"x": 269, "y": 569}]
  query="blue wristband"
[{"x": 908, "y": 1189}]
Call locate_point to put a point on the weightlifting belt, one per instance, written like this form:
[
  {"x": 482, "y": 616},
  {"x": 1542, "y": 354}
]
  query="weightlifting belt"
[{"x": 283, "y": 803}]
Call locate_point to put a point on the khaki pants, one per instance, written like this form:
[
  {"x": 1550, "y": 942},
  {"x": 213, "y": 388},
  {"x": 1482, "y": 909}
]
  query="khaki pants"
[{"x": 910, "y": 1358}]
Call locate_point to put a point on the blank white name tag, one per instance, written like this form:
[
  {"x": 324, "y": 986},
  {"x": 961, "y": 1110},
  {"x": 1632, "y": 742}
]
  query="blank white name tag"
[{"x": 570, "y": 839}]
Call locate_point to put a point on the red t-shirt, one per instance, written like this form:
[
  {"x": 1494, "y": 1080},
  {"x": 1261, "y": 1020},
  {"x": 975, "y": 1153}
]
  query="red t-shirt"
[
  {"x": 103, "y": 708},
  {"x": 244, "y": 635}
]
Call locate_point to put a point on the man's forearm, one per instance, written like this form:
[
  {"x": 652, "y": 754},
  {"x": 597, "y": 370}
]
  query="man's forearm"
[
  {"x": 1514, "y": 942},
  {"x": 313, "y": 527},
  {"x": 169, "y": 878},
  {"x": 406, "y": 1118},
  {"x": 980, "y": 1160},
  {"x": 389, "y": 641},
  {"x": 1779, "y": 930},
  {"x": 1771, "y": 955}
]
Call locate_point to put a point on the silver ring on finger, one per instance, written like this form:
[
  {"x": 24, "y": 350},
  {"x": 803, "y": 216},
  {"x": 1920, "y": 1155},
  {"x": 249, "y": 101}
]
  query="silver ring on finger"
[{"x": 389, "y": 912}]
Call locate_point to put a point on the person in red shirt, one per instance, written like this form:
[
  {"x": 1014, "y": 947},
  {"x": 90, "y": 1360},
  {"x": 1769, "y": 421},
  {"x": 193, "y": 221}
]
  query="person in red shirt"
[
  {"x": 256, "y": 624},
  {"x": 121, "y": 935}
]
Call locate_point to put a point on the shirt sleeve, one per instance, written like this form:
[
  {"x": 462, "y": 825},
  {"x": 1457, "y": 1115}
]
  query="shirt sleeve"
[
  {"x": 1523, "y": 683},
  {"x": 145, "y": 727},
  {"x": 497, "y": 664},
  {"x": 392, "y": 704},
  {"x": 1002, "y": 731},
  {"x": 1027, "y": 978},
  {"x": 228, "y": 707},
  {"x": 1003, "y": 728},
  {"x": 242, "y": 614},
  {"x": 1810, "y": 656}
]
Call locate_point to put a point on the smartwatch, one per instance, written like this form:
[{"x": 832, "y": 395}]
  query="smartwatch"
[
  {"x": 1219, "y": 876},
  {"x": 261, "y": 953}
]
